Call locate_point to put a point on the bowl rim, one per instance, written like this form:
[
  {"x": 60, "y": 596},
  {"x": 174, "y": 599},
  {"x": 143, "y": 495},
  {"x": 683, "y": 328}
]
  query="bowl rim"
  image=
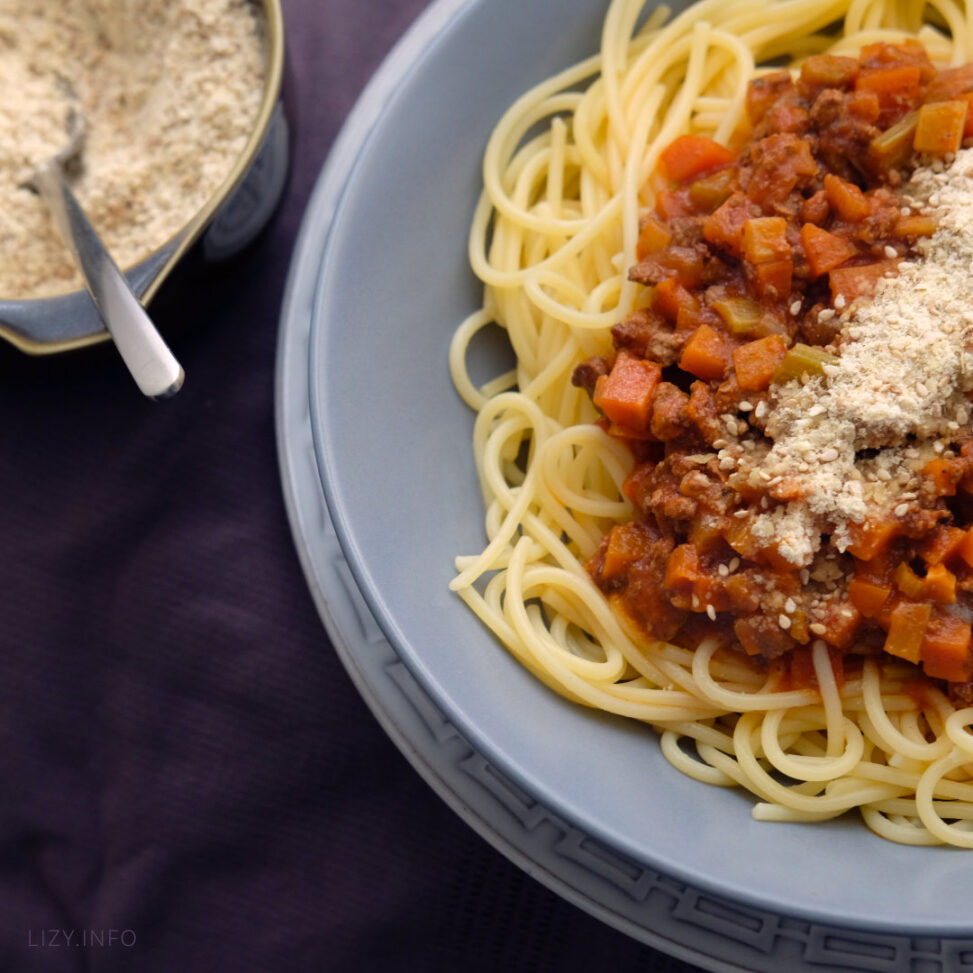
[{"x": 183, "y": 240}]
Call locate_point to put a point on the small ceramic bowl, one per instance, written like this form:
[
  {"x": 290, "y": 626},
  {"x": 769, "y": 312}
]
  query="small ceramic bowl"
[{"x": 232, "y": 217}]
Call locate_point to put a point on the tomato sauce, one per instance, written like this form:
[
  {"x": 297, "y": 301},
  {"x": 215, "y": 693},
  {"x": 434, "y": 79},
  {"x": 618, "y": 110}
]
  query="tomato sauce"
[{"x": 750, "y": 256}]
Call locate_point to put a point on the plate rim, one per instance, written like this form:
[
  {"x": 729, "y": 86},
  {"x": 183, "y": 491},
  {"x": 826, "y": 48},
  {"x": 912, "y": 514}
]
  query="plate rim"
[{"x": 325, "y": 202}]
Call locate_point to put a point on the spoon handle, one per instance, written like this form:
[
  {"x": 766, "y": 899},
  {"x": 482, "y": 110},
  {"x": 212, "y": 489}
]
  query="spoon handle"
[{"x": 152, "y": 364}]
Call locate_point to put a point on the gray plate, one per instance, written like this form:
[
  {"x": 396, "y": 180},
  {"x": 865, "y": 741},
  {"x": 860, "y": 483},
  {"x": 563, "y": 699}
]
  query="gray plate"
[{"x": 378, "y": 283}]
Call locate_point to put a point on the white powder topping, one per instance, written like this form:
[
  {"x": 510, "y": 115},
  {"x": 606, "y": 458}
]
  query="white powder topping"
[
  {"x": 169, "y": 90},
  {"x": 899, "y": 388}
]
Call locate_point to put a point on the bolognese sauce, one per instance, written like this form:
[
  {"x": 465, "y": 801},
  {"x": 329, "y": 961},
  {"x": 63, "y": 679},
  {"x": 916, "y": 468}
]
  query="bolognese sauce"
[{"x": 777, "y": 500}]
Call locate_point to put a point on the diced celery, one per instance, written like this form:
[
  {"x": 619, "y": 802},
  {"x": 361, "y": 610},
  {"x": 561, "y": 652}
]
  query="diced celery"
[
  {"x": 802, "y": 359},
  {"x": 893, "y": 147},
  {"x": 712, "y": 190},
  {"x": 907, "y": 581},
  {"x": 740, "y": 314}
]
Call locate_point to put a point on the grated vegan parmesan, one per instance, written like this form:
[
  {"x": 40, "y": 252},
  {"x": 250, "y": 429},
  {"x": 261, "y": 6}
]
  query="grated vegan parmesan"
[
  {"x": 898, "y": 391},
  {"x": 169, "y": 90}
]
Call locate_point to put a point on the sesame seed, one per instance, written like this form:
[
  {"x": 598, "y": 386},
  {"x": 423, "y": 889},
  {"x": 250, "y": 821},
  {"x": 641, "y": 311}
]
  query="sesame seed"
[
  {"x": 695, "y": 602},
  {"x": 744, "y": 406},
  {"x": 795, "y": 308},
  {"x": 828, "y": 455},
  {"x": 789, "y": 606},
  {"x": 711, "y": 611},
  {"x": 826, "y": 314},
  {"x": 784, "y": 622},
  {"x": 761, "y": 409},
  {"x": 901, "y": 510},
  {"x": 723, "y": 571},
  {"x": 840, "y": 302}
]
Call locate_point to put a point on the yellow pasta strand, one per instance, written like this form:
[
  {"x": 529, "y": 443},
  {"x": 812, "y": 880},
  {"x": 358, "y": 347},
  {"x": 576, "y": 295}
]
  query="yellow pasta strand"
[{"x": 566, "y": 176}]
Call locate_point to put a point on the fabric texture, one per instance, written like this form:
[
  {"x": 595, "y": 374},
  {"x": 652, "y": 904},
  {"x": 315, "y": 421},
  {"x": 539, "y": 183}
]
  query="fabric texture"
[{"x": 191, "y": 781}]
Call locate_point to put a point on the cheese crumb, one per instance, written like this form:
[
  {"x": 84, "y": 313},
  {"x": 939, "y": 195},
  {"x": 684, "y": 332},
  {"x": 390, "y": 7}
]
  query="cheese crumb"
[{"x": 898, "y": 390}]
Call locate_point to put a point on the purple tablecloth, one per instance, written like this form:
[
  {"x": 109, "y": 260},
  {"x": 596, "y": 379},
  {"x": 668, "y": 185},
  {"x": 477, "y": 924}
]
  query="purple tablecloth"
[{"x": 190, "y": 780}]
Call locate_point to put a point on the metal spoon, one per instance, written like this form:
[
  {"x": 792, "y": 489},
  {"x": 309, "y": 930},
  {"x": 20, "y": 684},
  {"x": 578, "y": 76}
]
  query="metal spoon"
[{"x": 152, "y": 364}]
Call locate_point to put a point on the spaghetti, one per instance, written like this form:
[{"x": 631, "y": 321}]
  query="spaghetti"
[{"x": 568, "y": 172}]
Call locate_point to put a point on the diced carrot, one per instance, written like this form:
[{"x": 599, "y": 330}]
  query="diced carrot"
[
  {"x": 682, "y": 573},
  {"x": 724, "y": 226},
  {"x": 915, "y": 225},
  {"x": 765, "y": 246},
  {"x": 822, "y": 71},
  {"x": 943, "y": 475},
  {"x": 705, "y": 354},
  {"x": 868, "y": 596},
  {"x": 942, "y": 544},
  {"x": 765, "y": 239},
  {"x": 907, "y": 627},
  {"x": 847, "y": 199},
  {"x": 939, "y": 130},
  {"x": 939, "y": 585},
  {"x": 624, "y": 395},
  {"x": 865, "y": 106},
  {"x": 825, "y": 251},
  {"x": 871, "y": 537},
  {"x": 692, "y": 155},
  {"x": 895, "y": 86},
  {"x": 653, "y": 237},
  {"x": 756, "y": 361},
  {"x": 968, "y": 125},
  {"x": 945, "y": 650},
  {"x": 626, "y": 543},
  {"x": 706, "y": 533},
  {"x": 854, "y": 282},
  {"x": 883, "y": 54},
  {"x": 773, "y": 279},
  {"x": 951, "y": 83},
  {"x": 965, "y": 547},
  {"x": 670, "y": 297}
]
